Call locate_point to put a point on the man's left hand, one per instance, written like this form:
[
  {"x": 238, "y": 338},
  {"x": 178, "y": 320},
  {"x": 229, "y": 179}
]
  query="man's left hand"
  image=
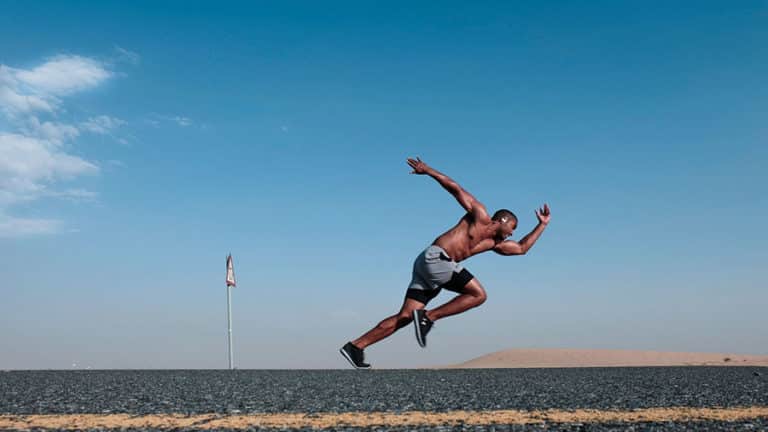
[
  {"x": 543, "y": 214},
  {"x": 418, "y": 166}
]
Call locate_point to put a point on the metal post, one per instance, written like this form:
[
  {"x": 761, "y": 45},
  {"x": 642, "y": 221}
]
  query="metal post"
[{"x": 229, "y": 320}]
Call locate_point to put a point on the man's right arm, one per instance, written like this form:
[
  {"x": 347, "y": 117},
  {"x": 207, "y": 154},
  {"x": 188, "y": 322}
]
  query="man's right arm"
[
  {"x": 464, "y": 198},
  {"x": 511, "y": 247}
]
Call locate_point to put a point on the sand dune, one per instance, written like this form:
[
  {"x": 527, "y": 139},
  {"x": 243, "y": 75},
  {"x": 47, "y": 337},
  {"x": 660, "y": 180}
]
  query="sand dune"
[{"x": 528, "y": 358}]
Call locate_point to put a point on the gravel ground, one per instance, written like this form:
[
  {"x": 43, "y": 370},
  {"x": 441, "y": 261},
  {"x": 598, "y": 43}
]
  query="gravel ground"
[
  {"x": 271, "y": 391},
  {"x": 312, "y": 391}
]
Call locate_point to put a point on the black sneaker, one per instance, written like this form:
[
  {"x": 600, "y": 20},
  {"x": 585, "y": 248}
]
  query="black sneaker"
[
  {"x": 423, "y": 325},
  {"x": 354, "y": 355}
]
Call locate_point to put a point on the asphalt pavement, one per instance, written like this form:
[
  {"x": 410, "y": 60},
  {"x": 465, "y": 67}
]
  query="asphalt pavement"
[{"x": 244, "y": 392}]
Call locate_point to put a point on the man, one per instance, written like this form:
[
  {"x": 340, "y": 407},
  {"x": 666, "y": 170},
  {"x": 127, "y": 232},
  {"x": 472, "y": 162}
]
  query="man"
[{"x": 438, "y": 266}]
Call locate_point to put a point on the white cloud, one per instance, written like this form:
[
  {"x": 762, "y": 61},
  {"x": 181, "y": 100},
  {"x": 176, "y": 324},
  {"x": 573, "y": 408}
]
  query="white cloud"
[
  {"x": 14, "y": 101},
  {"x": 35, "y": 153},
  {"x": 101, "y": 124},
  {"x": 18, "y": 227},
  {"x": 52, "y": 132},
  {"x": 36, "y": 159},
  {"x": 39, "y": 89},
  {"x": 64, "y": 75},
  {"x": 28, "y": 163}
]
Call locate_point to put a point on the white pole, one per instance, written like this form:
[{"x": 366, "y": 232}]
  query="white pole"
[{"x": 229, "y": 321}]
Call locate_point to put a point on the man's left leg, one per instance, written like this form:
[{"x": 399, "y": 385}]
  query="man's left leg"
[
  {"x": 390, "y": 324},
  {"x": 471, "y": 296}
]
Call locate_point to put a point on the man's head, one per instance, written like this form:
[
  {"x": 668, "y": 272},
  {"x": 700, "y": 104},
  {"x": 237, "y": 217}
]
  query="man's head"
[{"x": 507, "y": 223}]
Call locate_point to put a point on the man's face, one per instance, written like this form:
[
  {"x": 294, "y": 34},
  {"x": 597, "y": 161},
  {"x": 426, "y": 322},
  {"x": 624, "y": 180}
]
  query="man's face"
[
  {"x": 507, "y": 228},
  {"x": 512, "y": 227}
]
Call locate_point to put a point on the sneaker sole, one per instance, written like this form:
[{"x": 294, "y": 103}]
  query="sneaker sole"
[
  {"x": 422, "y": 342},
  {"x": 349, "y": 359}
]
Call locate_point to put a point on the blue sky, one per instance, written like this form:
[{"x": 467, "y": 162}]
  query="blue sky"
[{"x": 139, "y": 144}]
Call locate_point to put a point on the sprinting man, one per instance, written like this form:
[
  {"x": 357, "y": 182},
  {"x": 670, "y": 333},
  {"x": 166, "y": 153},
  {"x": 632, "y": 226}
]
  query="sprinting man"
[{"x": 438, "y": 266}]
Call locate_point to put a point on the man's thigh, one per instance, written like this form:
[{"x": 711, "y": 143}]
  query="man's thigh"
[
  {"x": 462, "y": 282},
  {"x": 474, "y": 288},
  {"x": 418, "y": 298}
]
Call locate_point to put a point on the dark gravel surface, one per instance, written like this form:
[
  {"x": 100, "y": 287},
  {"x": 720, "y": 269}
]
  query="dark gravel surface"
[
  {"x": 256, "y": 391},
  {"x": 272, "y": 391}
]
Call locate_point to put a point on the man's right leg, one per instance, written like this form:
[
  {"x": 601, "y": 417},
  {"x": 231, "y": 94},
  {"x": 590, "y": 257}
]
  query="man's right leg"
[
  {"x": 390, "y": 324},
  {"x": 472, "y": 295}
]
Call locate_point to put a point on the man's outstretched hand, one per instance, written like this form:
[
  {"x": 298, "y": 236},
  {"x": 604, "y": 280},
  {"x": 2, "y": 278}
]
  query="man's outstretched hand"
[
  {"x": 418, "y": 166},
  {"x": 543, "y": 214}
]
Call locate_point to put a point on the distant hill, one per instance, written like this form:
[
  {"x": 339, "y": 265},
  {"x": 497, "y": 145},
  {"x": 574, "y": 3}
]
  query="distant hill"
[{"x": 539, "y": 357}]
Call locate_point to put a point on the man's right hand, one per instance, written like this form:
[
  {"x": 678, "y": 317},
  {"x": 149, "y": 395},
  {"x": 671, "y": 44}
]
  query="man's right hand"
[
  {"x": 465, "y": 199},
  {"x": 418, "y": 166}
]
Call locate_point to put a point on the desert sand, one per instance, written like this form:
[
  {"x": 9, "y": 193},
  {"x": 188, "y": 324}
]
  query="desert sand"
[{"x": 541, "y": 357}]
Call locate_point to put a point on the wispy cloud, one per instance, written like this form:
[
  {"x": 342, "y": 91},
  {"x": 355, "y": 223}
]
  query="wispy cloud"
[
  {"x": 17, "y": 227},
  {"x": 127, "y": 56},
  {"x": 35, "y": 147},
  {"x": 156, "y": 120},
  {"x": 182, "y": 121},
  {"x": 74, "y": 195},
  {"x": 28, "y": 165},
  {"x": 52, "y": 132},
  {"x": 101, "y": 125}
]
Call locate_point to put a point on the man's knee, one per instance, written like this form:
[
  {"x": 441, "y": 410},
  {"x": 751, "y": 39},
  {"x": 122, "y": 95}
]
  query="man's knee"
[
  {"x": 387, "y": 323},
  {"x": 404, "y": 318},
  {"x": 476, "y": 290},
  {"x": 481, "y": 298},
  {"x": 383, "y": 325},
  {"x": 395, "y": 321}
]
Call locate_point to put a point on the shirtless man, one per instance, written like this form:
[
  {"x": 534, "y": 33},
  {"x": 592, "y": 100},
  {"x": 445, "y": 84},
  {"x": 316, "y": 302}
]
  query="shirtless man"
[{"x": 438, "y": 266}]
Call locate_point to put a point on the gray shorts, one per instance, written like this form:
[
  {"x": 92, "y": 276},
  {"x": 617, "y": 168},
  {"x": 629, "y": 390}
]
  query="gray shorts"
[{"x": 434, "y": 270}]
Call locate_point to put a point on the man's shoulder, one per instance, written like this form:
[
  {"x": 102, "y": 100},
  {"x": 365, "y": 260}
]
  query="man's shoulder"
[{"x": 477, "y": 219}]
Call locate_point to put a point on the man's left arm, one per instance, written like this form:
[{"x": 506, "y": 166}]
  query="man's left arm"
[{"x": 511, "y": 247}]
